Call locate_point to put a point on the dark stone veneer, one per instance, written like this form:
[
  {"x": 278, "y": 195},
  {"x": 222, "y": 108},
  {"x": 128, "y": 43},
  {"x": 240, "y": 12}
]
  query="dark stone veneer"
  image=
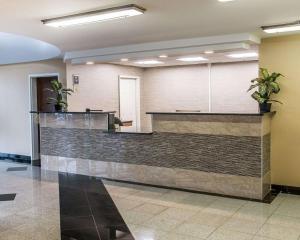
[{"x": 234, "y": 155}]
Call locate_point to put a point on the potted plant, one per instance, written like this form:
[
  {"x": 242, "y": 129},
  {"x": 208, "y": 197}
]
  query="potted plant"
[
  {"x": 267, "y": 86},
  {"x": 61, "y": 93}
]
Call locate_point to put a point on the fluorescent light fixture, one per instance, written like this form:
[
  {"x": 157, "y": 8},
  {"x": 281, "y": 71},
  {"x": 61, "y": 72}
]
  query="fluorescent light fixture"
[
  {"x": 149, "y": 62},
  {"x": 225, "y": 0},
  {"x": 243, "y": 55},
  {"x": 90, "y": 63},
  {"x": 163, "y": 56},
  {"x": 192, "y": 59},
  {"x": 95, "y": 16},
  {"x": 209, "y": 52},
  {"x": 124, "y": 60},
  {"x": 281, "y": 28}
]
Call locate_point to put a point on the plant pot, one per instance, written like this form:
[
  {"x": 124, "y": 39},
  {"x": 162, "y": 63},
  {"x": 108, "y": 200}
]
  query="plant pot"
[
  {"x": 265, "y": 107},
  {"x": 58, "y": 108}
]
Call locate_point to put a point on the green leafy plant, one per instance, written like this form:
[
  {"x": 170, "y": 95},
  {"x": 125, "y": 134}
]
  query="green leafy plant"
[
  {"x": 267, "y": 86},
  {"x": 60, "y": 95}
]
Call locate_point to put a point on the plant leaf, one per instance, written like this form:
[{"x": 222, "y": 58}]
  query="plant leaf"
[
  {"x": 275, "y": 87},
  {"x": 263, "y": 89},
  {"x": 252, "y": 87},
  {"x": 256, "y": 96},
  {"x": 264, "y": 72}
]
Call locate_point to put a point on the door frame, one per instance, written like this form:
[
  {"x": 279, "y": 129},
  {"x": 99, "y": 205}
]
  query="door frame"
[
  {"x": 137, "y": 98},
  {"x": 34, "y": 145}
]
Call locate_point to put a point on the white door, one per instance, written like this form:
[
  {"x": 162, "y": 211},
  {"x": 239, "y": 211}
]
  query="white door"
[{"x": 129, "y": 103}]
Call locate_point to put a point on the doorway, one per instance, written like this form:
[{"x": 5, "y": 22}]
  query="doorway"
[
  {"x": 39, "y": 103},
  {"x": 129, "y": 102}
]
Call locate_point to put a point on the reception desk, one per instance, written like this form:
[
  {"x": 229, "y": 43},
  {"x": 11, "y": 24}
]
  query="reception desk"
[{"x": 227, "y": 154}]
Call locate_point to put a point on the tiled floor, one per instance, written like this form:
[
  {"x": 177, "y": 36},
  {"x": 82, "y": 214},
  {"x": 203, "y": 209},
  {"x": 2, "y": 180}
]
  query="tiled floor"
[{"x": 149, "y": 213}]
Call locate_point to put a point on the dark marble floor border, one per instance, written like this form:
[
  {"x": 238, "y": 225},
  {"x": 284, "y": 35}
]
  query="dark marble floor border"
[
  {"x": 87, "y": 211},
  {"x": 286, "y": 189},
  {"x": 7, "y": 197},
  {"x": 268, "y": 199},
  {"x": 15, "y": 158}
]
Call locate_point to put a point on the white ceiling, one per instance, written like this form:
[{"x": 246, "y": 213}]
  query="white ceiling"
[
  {"x": 20, "y": 49},
  {"x": 164, "y": 20},
  {"x": 171, "y": 60}
]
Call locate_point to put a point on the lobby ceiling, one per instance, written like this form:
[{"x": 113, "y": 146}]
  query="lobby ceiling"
[{"x": 163, "y": 20}]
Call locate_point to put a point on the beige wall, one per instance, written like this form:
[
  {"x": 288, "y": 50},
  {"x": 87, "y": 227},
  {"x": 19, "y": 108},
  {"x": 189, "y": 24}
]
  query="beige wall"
[
  {"x": 14, "y": 104},
  {"x": 282, "y": 54}
]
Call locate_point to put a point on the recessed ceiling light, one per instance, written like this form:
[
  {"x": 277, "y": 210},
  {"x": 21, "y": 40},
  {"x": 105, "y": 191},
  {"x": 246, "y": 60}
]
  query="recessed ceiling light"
[
  {"x": 209, "y": 52},
  {"x": 225, "y": 0},
  {"x": 95, "y": 16},
  {"x": 149, "y": 62},
  {"x": 243, "y": 55},
  {"x": 90, "y": 63},
  {"x": 289, "y": 27},
  {"x": 163, "y": 56},
  {"x": 192, "y": 59},
  {"x": 124, "y": 60}
]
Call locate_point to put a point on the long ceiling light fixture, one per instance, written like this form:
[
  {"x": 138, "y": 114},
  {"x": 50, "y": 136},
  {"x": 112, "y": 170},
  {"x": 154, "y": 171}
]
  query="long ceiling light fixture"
[
  {"x": 192, "y": 59},
  {"x": 281, "y": 28},
  {"x": 243, "y": 55},
  {"x": 95, "y": 16}
]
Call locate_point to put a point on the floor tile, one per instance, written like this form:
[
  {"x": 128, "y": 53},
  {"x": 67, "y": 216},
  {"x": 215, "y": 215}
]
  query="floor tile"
[
  {"x": 162, "y": 223},
  {"x": 243, "y": 225},
  {"x": 143, "y": 233},
  {"x": 279, "y": 232},
  {"x": 150, "y": 213},
  {"x": 209, "y": 219},
  {"x": 226, "y": 207},
  {"x": 171, "y": 236},
  {"x": 195, "y": 230},
  {"x": 136, "y": 217},
  {"x": 256, "y": 211},
  {"x": 229, "y": 235},
  {"x": 150, "y": 208},
  {"x": 289, "y": 208},
  {"x": 177, "y": 214},
  {"x": 262, "y": 238},
  {"x": 284, "y": 221},
  {"x": 127, "y": 204}
]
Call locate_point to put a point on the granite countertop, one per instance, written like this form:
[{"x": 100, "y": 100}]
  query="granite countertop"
[
  {"x": 132, "y": 133},
  {"x": 215, "y": 114},
  {"x": 92, "y": 112}
]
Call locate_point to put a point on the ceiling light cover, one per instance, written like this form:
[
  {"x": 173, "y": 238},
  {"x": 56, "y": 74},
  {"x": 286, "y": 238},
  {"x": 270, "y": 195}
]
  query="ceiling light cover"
[
  {"x": 95, "y": 16},
  {"x": 90, "y": 63},
  {"x": 163, "y": 56},
  {"x": 243, "y": 55},
  {"x": 281, "y": 28},
  {"x": 149, "y": 62},
  {"x": 209, "y": 52},
  {"x": 192, "y": 59}
]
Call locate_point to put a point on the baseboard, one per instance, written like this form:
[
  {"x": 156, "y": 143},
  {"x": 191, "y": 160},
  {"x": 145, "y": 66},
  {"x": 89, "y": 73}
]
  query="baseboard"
[
  {"x": 268, "y": 199},
  {"x": 15, "y": 158},
  {"x": 286, "y": 189}
]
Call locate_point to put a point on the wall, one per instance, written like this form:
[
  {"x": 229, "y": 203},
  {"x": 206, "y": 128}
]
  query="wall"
[
  {"x": 229, "y": 84},
  {"x": 175, "y": 88},
  {"x": 98, "y": 87},
  {"x": 14, "y": 104},
  {"x": 166, "y": 88},
  {"x": 282, "y": 54}
]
